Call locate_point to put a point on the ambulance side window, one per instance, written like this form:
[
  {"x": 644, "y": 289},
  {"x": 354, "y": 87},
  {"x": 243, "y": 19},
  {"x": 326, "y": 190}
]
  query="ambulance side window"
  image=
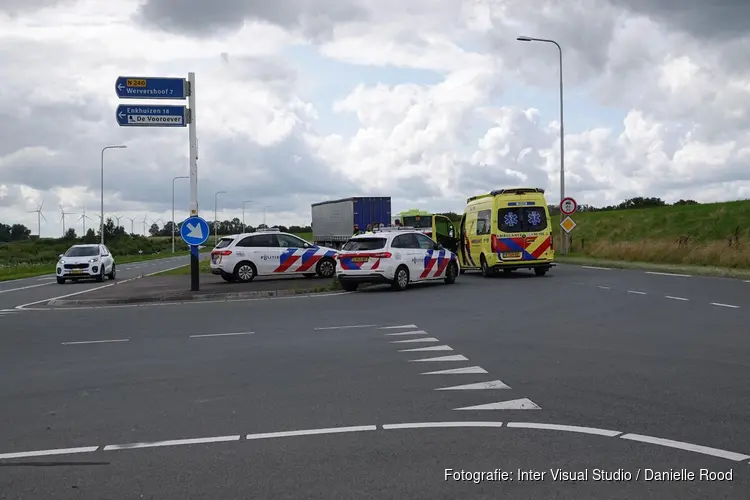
[{"x": 484, "y": 222}]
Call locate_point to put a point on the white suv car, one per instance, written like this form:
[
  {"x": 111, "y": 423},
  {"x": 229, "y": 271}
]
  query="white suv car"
[
  {"x": 395, "y": 256},
  {"x": 86, "y": 261},
  {"x": 242, "y": 257}
]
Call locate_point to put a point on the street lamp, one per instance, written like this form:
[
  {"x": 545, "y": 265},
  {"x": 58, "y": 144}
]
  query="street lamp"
[
  {"x": 264, "y": 214},
  {"x": 216, "y": 221},
  {"x": 174, "y": 179},
  {"x": 101, "y": 227},
  {"x": 564, "y": 236},
  {"x": 243, "y": 213}
]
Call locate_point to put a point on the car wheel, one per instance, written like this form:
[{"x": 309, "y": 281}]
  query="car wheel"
[
  {"x": 348, "y": 286},
  {"x": 60, "y": 281},
  {"x": 100, "y": 276},
  {"x": 229, "y": 278},
  {"x": 113, "y": 274},
  {"x": 451, "y": 273},
  {"x": 540, "y": 271},
  {"x": 326, "y": 268},
  {"x": 400, "y": 279},
  {"x": 486, "y": 272},
  {"x": 244, "y": 272}
]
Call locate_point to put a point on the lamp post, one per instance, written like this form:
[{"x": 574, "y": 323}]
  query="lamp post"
[
  {"x": 243, "y": 213},
  {"x": 101, "y": 226},
  {"x": 564, "y": 236},
  {"x": 264, "y": 214},
  {"x": 174, "y": 179},
  {"x": 216, "y": 222}
]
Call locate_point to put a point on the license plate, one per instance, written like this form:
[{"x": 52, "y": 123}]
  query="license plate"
[
  {"x": 76, "y": 271},
  {"x": 360, "y": 259},
  {"x": 511, "y": 255}
]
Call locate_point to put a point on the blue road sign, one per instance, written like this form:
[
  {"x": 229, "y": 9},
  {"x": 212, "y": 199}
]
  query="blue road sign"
[
  {"x": 194, "y": 230},
  {"x": 151, "y": 116},
  {"x": 146, "y": 87}
]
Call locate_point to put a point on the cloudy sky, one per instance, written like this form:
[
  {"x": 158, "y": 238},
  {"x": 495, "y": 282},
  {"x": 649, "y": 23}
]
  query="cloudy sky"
[{"x": 426, "y": 101}]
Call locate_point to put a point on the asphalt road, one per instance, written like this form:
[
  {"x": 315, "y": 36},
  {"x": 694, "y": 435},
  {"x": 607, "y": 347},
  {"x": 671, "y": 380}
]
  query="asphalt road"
[
  {"x": 24, "y": 291},
  {"x": 619, "y": 359}
]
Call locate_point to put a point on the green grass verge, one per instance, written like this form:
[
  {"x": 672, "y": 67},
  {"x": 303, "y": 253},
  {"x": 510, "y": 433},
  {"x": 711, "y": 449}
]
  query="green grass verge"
[
  {"x": 32, "y": 270},
  {"x": 204, "y": 267}
]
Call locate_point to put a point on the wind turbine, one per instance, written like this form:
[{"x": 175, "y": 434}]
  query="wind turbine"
[
  {"x": 39, "y": 217},
  {"x": 145, "y": 217},
  {"x": 132, "y": 220},
  {"x": 62, "y": 218},
  {"x": 118, "y": 220},
  {"x": 83, "y": 218}
]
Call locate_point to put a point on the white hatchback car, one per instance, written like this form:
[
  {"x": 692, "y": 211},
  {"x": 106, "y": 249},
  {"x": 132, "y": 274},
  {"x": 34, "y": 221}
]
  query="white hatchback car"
[
  {"x": 86, "y": 261},
  {"x": 395, "y": 256},
  {"x": 242, "y": 257}
]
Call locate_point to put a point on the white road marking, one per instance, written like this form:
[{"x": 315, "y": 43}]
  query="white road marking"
[
  {"x": 24, "y": 287},
  {"x": 469, "y": 370},
  {"x": 22, "y": 279},
  {"x": 636, "y": 292},
  {"x": 421, "y": 339},
  {"x": 565, "y": 428},
  {"x": 398, "y": 327},
  {"x": 343, "y": 327},
  {"x": 164, "y": 270},
  {"x": 597, "y": 267},
  {"x": 94, "y": 341},
  {"x": 433, "y": 425},
  {"x": 456, "y": 357},
  {"x": 311, "y": 432},
  {"x": 46, "y": 278},
  {"x": 492, "y": 384},
  {"x": 220, "y": 334},
  {"x": 45, "y": 453},
  {"x": 670, "y": 274},
  {"x": 603, "y": 287},
  {"x": 415, "y": 332},
  {"x": 746, "y": 281},
  {"x": 729, "y": 455},
  {"x": 675, "y": 298},
  {"x": 174, "y": 442},
  {"x": 431, "y": 348},
  {"x": 64, "y": 296},
  {"x": 724, "y": 305},
  {"x": 514, "y": 404}
]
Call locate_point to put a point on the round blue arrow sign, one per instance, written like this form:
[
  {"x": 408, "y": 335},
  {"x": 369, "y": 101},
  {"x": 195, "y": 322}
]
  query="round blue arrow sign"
[{"x": 194, "y": 230}]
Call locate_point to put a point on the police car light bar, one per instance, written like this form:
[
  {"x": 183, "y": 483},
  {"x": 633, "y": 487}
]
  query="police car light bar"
[{"x": 393, "y": 228}]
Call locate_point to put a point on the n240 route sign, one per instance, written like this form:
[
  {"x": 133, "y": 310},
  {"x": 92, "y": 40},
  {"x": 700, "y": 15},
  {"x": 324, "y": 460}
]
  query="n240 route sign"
[
  {"x": 568, "y": 206},
  {"x": 150, "y": 87}
]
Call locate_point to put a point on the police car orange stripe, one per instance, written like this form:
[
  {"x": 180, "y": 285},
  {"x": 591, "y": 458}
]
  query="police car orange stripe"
[
  {"x": 287, "y": 259},
  {"x": 442, "y": 265}
]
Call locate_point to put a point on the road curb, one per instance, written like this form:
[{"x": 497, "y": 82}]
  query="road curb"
[{"x": 182, "y": 297}]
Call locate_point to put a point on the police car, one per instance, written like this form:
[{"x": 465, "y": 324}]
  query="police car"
[
  {"x": 398, "y": 256},
  {"x": 242, "y": 257}
]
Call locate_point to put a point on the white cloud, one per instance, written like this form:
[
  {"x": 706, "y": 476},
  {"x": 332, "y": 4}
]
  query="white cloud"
[{"x": 650, "y": 109}]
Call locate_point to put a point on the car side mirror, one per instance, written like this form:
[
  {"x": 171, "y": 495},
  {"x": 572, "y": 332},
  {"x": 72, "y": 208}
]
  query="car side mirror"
[
  {"x": 60, "y": 256},
  {"x": 438, "y": 246}
]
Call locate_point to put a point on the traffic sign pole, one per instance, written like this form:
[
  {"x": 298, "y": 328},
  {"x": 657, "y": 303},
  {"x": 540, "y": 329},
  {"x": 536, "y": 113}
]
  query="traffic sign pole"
[{"x": 193, "y": 137}]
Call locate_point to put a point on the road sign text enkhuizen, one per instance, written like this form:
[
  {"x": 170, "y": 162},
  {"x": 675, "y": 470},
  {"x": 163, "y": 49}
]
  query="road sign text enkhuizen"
[
  {"x": 152, "y": 116},
  {"x": 142, "y": 87}
]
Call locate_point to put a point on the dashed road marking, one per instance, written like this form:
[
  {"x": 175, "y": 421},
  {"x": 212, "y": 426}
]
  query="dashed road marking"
[
  {"x": 715, "y": 452},
  {"x": 343, "y": 327},
  {"x": 397, "y": 327},
  {"x": 603, "y": 287},
  {"x": 565, "y": 428},
  {"x": 311, "y": 432},
  {"x": 431, "y": 348},
  {"x": 46, "y": 453},
  {"x": 455, "y": 357},
  {"x": 636, "y": 292},
  {"x": 719, "y": 304},
  {"x": 415, "y": 332},
  {"x": 597, "y": 267},
  {"x": 420, "y": 339},
  {"x": 27, "y": 287},
  {"x": 492, "y": 384},
  {"x": 439, "y": 425},
  {"x": 94, "y": 341},
  {"x": 220, "y": 335},
  {"x": 469, "y": 370},
  {"x": 675, "y": 298},
  {"x": 514, "y": 404},
  {"x": 670, "y": 274},
  {"x": 174, "y": 442}
]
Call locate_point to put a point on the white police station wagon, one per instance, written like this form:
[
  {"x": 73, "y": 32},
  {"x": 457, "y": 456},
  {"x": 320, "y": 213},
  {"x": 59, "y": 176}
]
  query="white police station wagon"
[
  {"x": 396, "y": 256},
  {"x": 242, "y": 257}
]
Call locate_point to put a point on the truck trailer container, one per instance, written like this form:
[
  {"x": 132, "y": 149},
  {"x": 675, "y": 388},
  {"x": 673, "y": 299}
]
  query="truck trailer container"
[{"x": 335, "y": 221}]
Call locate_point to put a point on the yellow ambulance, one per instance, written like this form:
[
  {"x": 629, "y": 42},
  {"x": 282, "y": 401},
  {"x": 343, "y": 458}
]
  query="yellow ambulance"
[{"x": 507, "y": 229}]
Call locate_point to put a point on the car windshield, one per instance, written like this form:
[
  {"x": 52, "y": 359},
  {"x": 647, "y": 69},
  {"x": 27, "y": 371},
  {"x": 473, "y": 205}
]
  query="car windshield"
[
  {"x": 224, "y": 242},
  {"x": 365, "y": 244},
  {"x": 82, "y": 252}
]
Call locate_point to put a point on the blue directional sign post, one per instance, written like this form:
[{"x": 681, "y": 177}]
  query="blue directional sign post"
[
  {"x": 194, "y": 230},
  {"x": 151, "y": 116}
]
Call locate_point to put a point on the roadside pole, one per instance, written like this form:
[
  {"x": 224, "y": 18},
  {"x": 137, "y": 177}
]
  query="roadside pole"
[{"x": 193, "y": 134}]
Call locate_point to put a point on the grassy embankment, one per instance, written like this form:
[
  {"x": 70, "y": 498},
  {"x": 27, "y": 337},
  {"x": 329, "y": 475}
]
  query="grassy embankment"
[{"x": 711, "y": 239}]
